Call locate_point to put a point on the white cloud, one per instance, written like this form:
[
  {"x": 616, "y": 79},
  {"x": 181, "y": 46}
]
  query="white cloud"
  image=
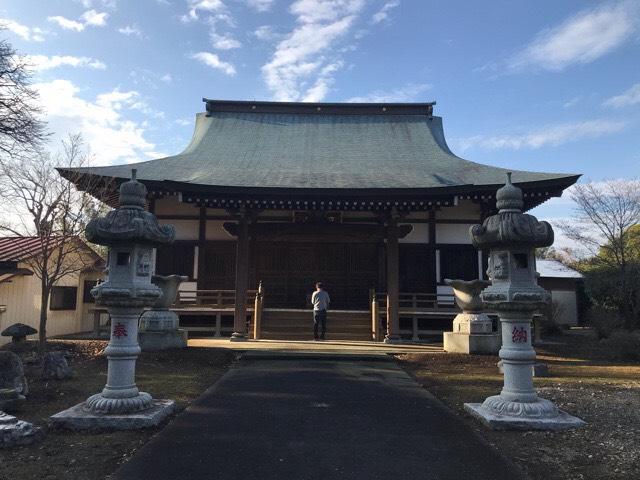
[
  {"x": 626, "y": 99},
  {"x": 94, "y": 18},
  {"x": 113, "y": 138},
  {"x": 223, "y": 42},
  {"x": 306, "y": 51},
  {"x": 260, "y": 5},
  {"x": 265, "y": 33},
  {"x": 407, "y": 93},
  {"x": 43, "y": 62},
  {"x": 90, "y": 18},
  {"x": 580, "y": 39},
  {"x": 131, "y": 30},
  {"x": 166, "y": 78},
  {"x": 66, "y": 23},
  {"x": 34, "y": 34},
  {"x": 552, "y": 135},
  {"x": 212, "y": 60},
  {"x": 383, "y": 14},
  {"x": 196, "y": 6}
]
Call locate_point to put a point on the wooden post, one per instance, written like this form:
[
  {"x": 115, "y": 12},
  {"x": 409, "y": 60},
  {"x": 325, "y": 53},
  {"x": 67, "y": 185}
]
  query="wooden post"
[
  {"x": 257, "y": 313},
  {"x": 242, "y": 279},
  {"x": 393, "y": 279},
  {"x": 375, "y": 318}
]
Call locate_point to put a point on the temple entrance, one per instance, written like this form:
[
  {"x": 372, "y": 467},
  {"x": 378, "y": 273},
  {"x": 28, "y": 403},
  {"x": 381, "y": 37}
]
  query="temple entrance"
[{"x": 289, "y": 272}]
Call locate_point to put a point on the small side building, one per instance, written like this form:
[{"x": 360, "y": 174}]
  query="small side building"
[
  {"x": 563, "y": 283},
  {"x": 20, "y": 288}
]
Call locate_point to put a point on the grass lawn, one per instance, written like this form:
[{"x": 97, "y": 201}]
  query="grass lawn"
[
  {"x": 181, "y": 375},
  {"x": 583, "y": 381}
]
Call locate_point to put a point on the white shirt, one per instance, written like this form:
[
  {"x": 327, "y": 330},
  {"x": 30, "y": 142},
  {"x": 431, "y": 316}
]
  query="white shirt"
[{"x": 320, "y": 300}]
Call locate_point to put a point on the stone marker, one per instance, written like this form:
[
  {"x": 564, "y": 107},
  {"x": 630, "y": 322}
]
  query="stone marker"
[
  {"x": 12, "y": 374},
  {"x": 18, "y": 332},
  {"x": 55, "y": 366},
  {"x": 14, "y": 432},
  {"x": 472, "y": 329},
  {"x": 159, "y": 326},
  {"x": 514, "y": 294},
  {"x": 131, "y": 233}
]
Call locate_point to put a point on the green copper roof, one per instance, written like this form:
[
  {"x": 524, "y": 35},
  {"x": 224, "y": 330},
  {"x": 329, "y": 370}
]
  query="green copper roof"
[{"x": 320, "y": 146}]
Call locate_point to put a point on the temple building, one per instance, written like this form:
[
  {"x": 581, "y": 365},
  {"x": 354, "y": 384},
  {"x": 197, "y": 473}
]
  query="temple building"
[{"x": 367, "y": 198}]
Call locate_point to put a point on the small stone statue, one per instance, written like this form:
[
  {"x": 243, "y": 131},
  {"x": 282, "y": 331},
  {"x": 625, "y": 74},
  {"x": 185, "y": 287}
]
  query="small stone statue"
[
  {"x": 55, "y": 366},
  {"x": 18, "y": 332}
]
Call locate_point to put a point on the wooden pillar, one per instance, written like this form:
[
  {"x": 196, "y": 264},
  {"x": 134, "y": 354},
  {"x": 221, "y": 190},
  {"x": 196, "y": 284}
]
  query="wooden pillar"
[
  {"x": 257, "y": 313},
  {"x": 202, "y": 241},
  {"x": 432, "y": 250},
  {"x": 393, "y": 279},
  {"x": 242, "y": 279}
]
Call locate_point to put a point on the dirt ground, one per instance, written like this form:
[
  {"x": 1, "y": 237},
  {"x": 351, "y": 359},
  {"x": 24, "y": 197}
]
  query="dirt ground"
[
  {"x": 181, "y": 375},
  {"x": 582, "y": 381}
]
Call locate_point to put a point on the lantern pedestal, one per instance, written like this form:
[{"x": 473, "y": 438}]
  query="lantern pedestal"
[
  {"x": 78, "y": 418},
  {"x": 518, "y": 407}
]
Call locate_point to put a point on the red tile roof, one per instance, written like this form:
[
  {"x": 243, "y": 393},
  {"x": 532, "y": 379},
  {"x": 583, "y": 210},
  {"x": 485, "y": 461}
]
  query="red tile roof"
[{"x": 15, "y": 249}]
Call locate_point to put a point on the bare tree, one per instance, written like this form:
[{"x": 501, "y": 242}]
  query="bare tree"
[
  {"x": 50, "y": 209},
  {"x": 606, "y": 218},
  {"x": 21, "y": 127}
]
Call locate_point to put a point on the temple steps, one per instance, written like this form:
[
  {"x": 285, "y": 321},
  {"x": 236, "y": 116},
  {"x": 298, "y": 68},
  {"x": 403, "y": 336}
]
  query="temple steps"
[{"x": 298, "y": 325}]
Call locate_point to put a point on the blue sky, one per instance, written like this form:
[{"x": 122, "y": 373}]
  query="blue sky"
[{"x": 544, "y": 85}]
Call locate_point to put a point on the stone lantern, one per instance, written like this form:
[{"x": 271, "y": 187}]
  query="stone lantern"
[
  {"x": 511, "y": 237},
  {"x": 131, "y": 233}
]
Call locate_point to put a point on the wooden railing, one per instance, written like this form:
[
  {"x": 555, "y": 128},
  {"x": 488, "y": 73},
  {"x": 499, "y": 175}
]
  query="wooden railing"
[
  {"x": 414, "y": 306},
  {"x": 213, "y": 299}
]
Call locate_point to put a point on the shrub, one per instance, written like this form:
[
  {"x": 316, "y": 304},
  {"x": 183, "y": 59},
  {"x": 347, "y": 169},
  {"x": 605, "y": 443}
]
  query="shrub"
[
  {"x": 623, "y": 344},
  {"x": 603, "y": 321}
]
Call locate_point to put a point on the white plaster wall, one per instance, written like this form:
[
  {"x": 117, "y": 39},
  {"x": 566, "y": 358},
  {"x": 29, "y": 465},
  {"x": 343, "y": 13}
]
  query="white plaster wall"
[
  {"x": 567, "y": 300},
  {"x": 171, "y": 206},
  {"x": 453, "y": 233},
  {"x": 419, "y": 234},
  {"x": 465, "y": 210},
  {"x": 216, "y": 231},
  {"x": 22, "y": 299},
  {"x": 185, "y": 229}
]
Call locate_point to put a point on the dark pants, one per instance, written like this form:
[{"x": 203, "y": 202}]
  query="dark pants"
[{"x": 319, "y": 320}]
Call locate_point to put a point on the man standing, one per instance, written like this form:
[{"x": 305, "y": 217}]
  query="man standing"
[{"x": 320, "y": 300}]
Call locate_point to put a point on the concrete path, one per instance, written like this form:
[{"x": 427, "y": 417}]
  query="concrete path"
[{"x": 292, "y": 417}]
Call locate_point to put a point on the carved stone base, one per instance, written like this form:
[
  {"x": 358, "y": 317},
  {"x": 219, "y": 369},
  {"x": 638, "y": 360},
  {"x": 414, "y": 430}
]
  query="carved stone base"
[
  {"x": 480, "y": 344},
  {"x": 14, "y": 432},
  {"x": 499, "y": 414},
  {"x": 158, "y": 320},
  {"x": 472, "y": 323},
  {"x": 155, "y": 341},
  {"x": 100, "y": 404},
  {"x": 79, "y": 418}
]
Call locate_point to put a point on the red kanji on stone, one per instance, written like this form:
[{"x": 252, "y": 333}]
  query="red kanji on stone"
[
  {"x": 119, "y": 330},
  {"x": 519, "y": 335}
]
